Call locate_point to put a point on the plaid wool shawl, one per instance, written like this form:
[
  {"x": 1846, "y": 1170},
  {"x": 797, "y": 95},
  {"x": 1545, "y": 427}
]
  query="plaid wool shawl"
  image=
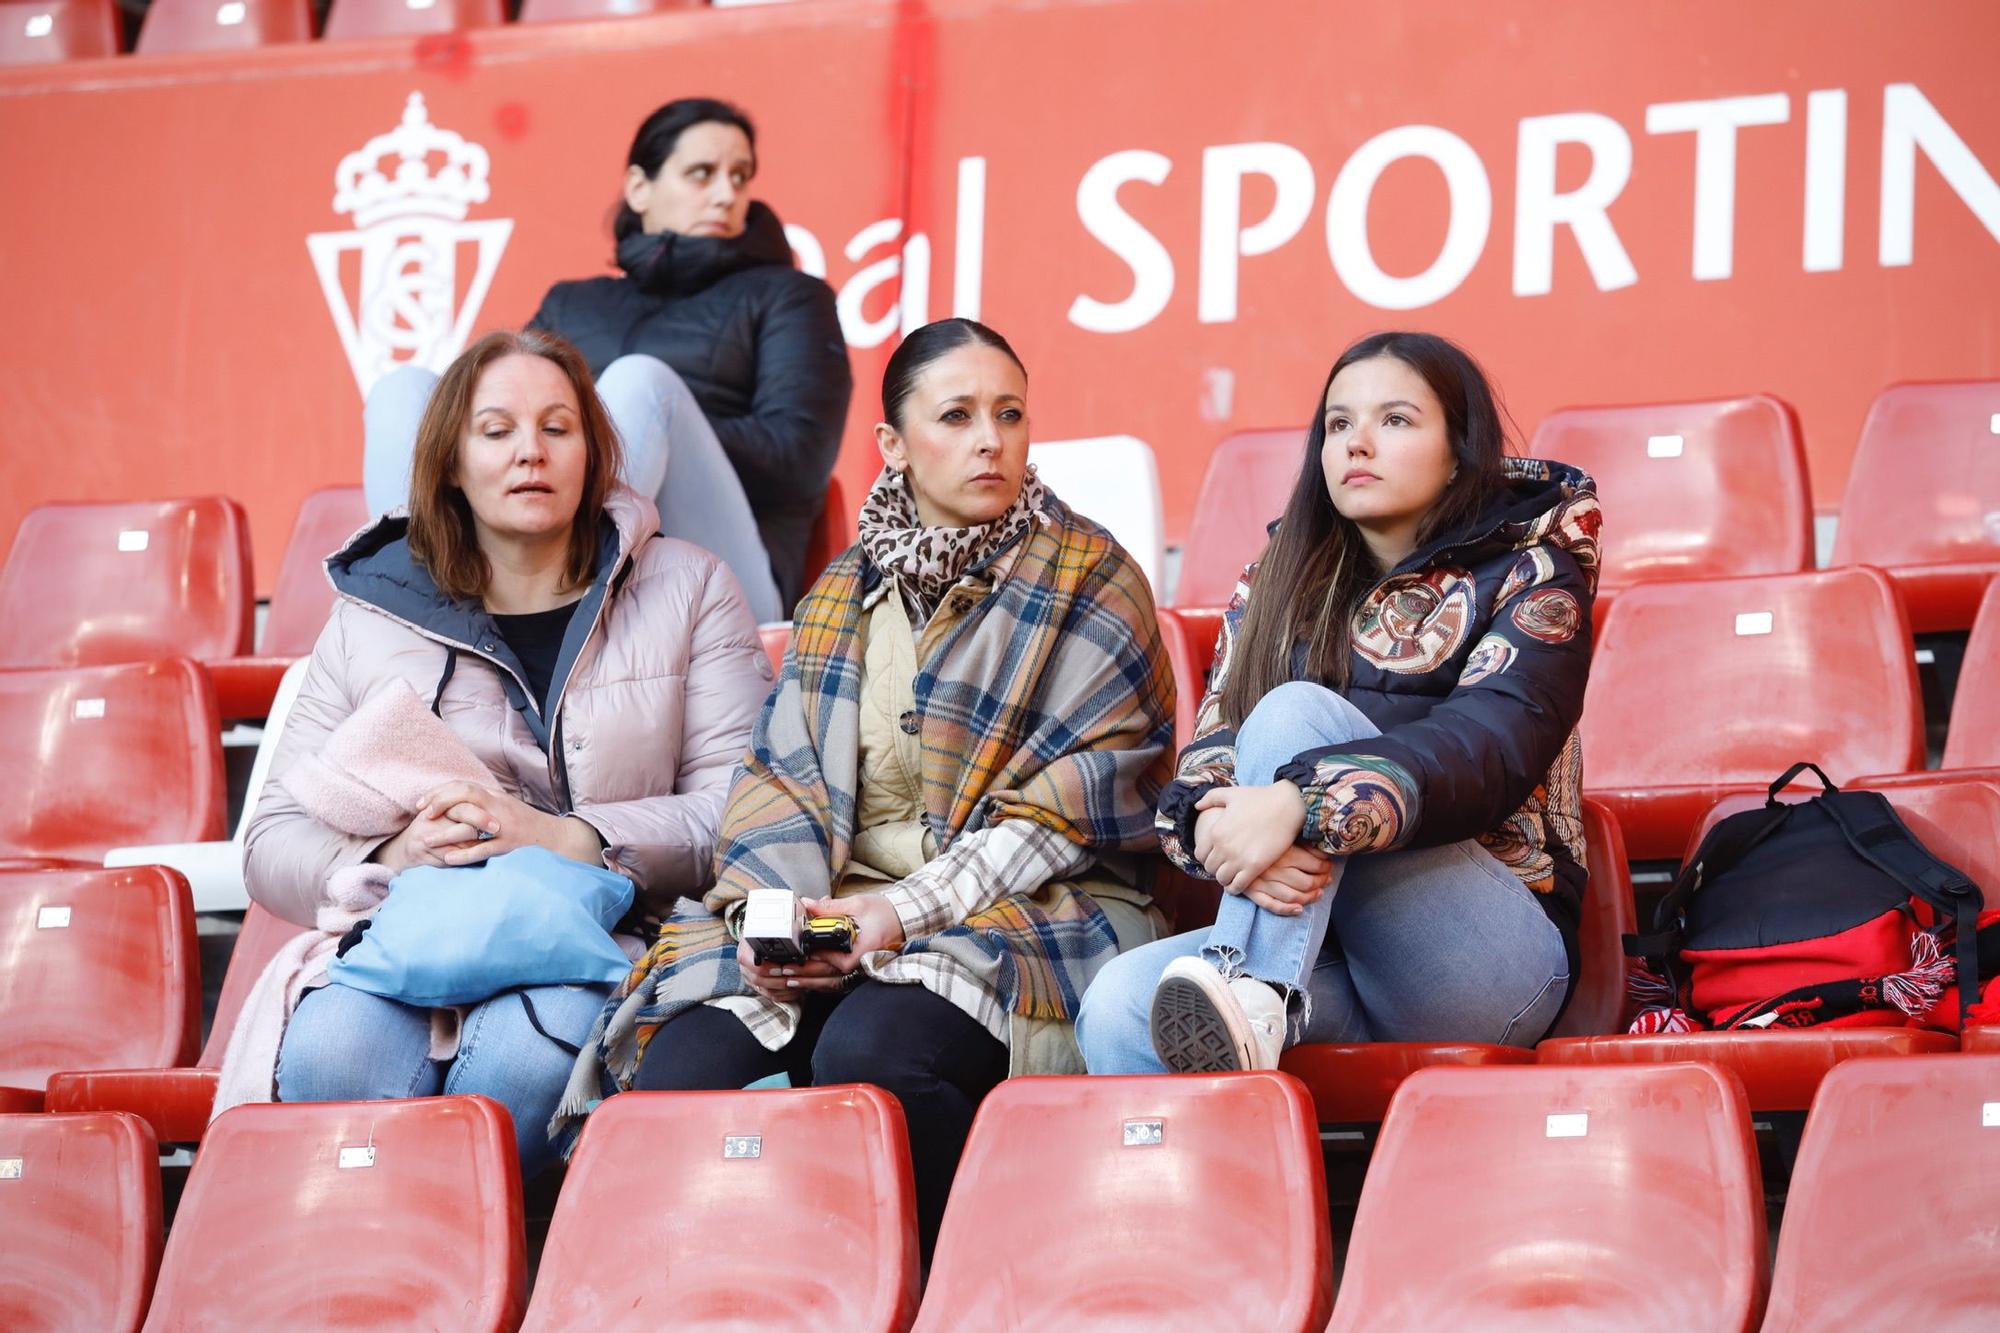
[{"x": 1049, "y": 701}]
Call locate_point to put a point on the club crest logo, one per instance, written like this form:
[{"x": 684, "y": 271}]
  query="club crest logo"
[{"x": 406, "y": 284}]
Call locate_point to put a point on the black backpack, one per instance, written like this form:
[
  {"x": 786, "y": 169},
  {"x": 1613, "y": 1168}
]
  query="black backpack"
[{"x": 1807, "y": 914}]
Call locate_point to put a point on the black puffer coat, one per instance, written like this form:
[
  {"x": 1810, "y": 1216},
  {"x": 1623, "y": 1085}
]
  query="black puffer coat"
[{"x": 756, "y": 340}]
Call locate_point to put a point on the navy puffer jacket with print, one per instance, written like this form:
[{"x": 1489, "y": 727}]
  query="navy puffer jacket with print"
[{"x": 1471, "y": 657}]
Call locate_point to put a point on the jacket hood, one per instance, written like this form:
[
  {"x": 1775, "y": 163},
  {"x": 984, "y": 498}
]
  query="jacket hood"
[
  {"x": 376, "y": 567},
  {"x": 1544, "y": 503},
  {"x": 669, "y": 264},
  {"x": 377, "y": 570}
]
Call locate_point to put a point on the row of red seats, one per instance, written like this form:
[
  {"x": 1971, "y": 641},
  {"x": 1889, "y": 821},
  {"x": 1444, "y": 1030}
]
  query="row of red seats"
[
  {"x": 1507, "y": 1198},
  {"x": 52, "y": 1014},
  {"x": 1724, "y": 490},
  {"x": 1709, "y": 490},
  {"x": 34, "y": 32}
]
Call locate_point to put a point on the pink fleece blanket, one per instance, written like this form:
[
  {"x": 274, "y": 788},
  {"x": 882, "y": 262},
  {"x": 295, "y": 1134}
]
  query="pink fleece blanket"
[{"x": 368, "y": 780}]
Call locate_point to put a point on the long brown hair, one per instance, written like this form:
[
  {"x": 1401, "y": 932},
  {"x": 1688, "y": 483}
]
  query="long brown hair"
[
  {"x": 442, "y": 537},
  {"x": 1317, "y": 568}
]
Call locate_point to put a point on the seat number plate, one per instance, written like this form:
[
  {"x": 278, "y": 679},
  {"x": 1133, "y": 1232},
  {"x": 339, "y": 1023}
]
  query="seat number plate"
[
  {"x": 1753, "y": 622},
  {"x": 743, "y": 1145},
  {"x": 1570, "y": 1125},
  {"x": 10, "y": 1168},
  {"x": 352, "y": 1158},
  {"x": 52, "y": 918},
  {"x": 1145, "y": 1133}
]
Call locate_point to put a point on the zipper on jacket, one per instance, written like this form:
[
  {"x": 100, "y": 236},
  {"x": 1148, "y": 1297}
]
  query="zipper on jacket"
[{"x": 558, "y": 765}]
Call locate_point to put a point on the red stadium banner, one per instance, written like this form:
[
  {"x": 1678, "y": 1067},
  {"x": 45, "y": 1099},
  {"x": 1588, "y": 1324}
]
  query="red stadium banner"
[{"x": 1178, "y": 210}]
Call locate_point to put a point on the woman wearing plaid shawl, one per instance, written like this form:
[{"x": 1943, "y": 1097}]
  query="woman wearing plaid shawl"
[{"x": 963, "y": 754}]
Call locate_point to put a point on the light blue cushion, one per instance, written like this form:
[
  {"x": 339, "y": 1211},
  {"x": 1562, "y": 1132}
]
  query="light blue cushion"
[{"x": 460, "y": 934}]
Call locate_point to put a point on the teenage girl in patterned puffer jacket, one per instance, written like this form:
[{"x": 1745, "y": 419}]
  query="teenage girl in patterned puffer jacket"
[{"x": 1386, "y": 774}]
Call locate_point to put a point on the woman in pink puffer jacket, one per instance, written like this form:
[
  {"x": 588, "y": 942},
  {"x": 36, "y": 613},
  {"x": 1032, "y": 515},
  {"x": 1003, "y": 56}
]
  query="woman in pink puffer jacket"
[{"x": 605, "y": 675}]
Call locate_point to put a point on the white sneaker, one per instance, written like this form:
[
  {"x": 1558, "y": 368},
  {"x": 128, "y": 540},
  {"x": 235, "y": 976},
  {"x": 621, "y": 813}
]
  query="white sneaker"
[{"x": 1203, "y": 1023}]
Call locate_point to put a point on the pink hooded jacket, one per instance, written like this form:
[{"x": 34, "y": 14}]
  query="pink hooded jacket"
[{"x": 655, "y": 692}]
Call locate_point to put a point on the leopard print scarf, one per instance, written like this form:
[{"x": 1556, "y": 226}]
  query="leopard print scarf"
[{"x": 926, "y": 562}]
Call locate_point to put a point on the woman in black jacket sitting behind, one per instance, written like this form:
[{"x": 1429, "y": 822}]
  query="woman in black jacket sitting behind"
[{"x": 723, "y": 367}]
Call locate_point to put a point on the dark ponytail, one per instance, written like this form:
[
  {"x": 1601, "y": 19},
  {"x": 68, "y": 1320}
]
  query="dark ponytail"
[
  {"x": 925, "y": 345},
  {"x": 661, "y": 131}
]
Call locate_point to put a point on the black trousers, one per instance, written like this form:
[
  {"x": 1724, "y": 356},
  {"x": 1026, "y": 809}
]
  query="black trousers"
[{"x": 933, "y": 1058}]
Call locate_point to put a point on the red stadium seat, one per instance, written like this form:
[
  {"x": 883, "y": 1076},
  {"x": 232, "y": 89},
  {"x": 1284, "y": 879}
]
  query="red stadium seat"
[
  {"x": 1780, "y": 1071},
  {"x": 303, "y": 597},
  {"x": 106, "y": 757},
  {"x": 101, "y": 969},
  {"x": 1690, "y": 490},
  {"x": 173, "y": 26},
  {"x": 41, "y": 32},
  {"x": 300, "y": 603},
  {"x": 1192, "y": 1202},
  {"x": 1912, "y": 1140},
  {"x": 1921, "y": 493},
  {"x": 831, "y": 534},
  {"x": 1352, "y": 1083},
  {"x": 567, "y": 11},
  {"x": 1597, "y": 1001},
  {"x": 1519, "y": 1199},
  {"x": 94, "y": 583},
  {"x": 80, "y": 1217},
  {"x": 777, "y": 1209},
  {"x": 1249, "y": 478},
  {"x": 776, "y": 639},
  {"x": 410, "y": 18},
  {"x": 214, "y": 870},
  {"x": 1190, "y": 636},
  {"x": 176, "y": 1101},
  {"x": 1187, "y": 902},
  {"x": 1982, "y": 1040},
  {"x": 353, "y": 1215},
  {"x": 1701, "y": 690},
  {"x": 1974, "y": 738}
]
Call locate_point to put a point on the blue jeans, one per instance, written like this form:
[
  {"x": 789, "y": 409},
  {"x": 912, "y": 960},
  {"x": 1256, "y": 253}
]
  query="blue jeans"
[
  {"x": 346, "y": 1045},
  {"x": 1436, "y": 944},
  {"x": 671, "y": 453}
]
